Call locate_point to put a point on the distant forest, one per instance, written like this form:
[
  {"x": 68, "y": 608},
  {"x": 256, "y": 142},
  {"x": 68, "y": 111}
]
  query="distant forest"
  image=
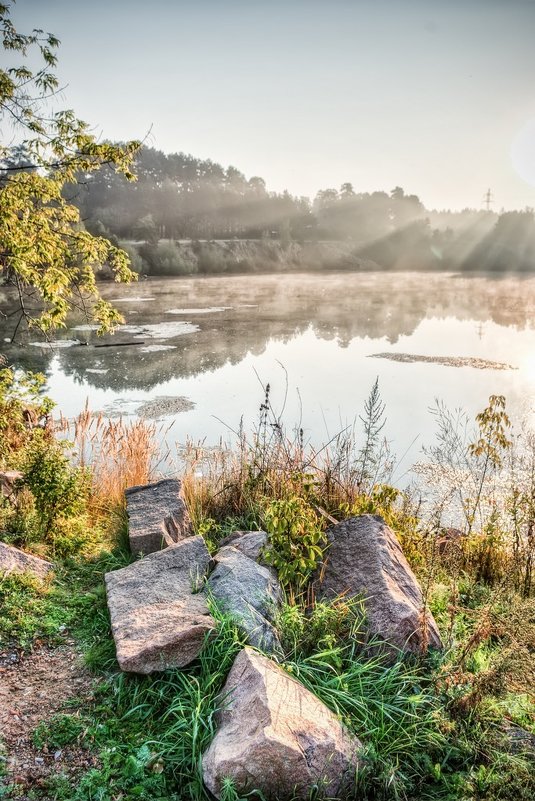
[{"x": 171, "y": 219}]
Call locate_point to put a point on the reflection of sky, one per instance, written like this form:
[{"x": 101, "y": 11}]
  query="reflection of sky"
[{"x": 332, "y": 383}]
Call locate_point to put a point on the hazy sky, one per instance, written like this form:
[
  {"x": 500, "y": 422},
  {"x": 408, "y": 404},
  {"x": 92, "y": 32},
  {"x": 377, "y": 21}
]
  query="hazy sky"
[{"x": 437, "y": 96}]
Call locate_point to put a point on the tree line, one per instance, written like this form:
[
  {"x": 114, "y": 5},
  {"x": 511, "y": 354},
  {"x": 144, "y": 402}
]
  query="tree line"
[{"x": 180, "y": 197}]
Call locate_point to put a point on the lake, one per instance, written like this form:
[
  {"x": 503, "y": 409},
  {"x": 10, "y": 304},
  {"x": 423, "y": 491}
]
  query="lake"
[{"x": 214, "y": 341}]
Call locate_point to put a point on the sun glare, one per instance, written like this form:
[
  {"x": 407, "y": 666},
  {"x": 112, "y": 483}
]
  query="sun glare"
[
  {"x": 523, "y": 152},
  {"x": 528, "y": 368}
]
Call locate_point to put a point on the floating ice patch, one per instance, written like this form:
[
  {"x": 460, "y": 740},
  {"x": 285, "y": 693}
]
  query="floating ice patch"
[
  {"x": 56, "y": 343},
  {"x": 447, "y": 361},
  {"x": 205, "y": 310},
  {"x": 159, "y": 330},
  {"x": 156, "y": 348},
  {"x": 134, "y": 299}
]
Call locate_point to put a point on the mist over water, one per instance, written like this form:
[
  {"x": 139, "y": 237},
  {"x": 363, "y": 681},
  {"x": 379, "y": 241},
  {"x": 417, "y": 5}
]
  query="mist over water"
[{"x": 213, "y": 342}]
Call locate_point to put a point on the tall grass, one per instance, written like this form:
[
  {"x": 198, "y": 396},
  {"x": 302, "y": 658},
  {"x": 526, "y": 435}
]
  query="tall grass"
[
  {"x": 120, "y": 453},
  {"x": 430, "y": 730}
]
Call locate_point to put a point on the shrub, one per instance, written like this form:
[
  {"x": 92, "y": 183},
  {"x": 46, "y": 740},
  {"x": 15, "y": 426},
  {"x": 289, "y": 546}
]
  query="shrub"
[
  {"x": 295, "y": 541},
  {"x": 137, "y": 262},
  {"x": 59, "y": 489},
  {"x": 24, "y": 412},
  {"x": 165, "y": 258}
]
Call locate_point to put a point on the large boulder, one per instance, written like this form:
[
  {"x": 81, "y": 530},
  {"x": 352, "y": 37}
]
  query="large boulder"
[
  {"x": 249, "y": 592},
  {"x": 250, "y": 543},
  {"x": 159, "y": 619},
  {"x": 364, "y": 558},
  {"x": 12, "y": 560},
  {"x": 275, "y": 736},
  {"x": 157, "y": 516}
]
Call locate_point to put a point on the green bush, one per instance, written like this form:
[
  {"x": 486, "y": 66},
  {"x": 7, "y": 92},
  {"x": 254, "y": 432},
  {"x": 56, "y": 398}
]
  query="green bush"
[
  {"x": 23, "y": 412},
  {"x": 60, "y": 490},
  {"x": 168, "y": 260},
  {"x": 137, "y": 263},
  {"x": 295, "y": 541}
]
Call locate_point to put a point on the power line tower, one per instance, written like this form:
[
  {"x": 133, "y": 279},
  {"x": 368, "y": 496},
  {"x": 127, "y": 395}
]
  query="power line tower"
[{"x": 488, "y": 200}]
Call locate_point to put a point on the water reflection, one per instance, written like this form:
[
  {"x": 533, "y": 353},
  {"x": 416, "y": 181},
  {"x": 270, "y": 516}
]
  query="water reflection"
[{"x": 242, "y": 314}]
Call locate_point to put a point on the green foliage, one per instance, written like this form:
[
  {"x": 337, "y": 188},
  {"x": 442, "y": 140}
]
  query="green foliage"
[
  {"x": 430, "y": 729},
  {"x": 389, "y": 503},
  {"x": 137, "y": 263},
  {"x": 60, "y": 730},
  {"x": 493, "y": 423},
  {"x": 23, "y": 412},
  {"x": 295, "y": 540},
  {"x": 321, "y": 628},
  {"x": 374, "y": 420},
  {"x": 389, "y": 707},
  {"x": 168, "y": 260},
  {"x": 24, "y": 610},
  {"x": 46, "y": 254},
  {"x": 60, "y": 490},
  {"x": 73, "y": 602}
]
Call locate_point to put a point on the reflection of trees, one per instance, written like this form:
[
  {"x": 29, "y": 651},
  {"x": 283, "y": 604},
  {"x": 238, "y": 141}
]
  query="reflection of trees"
[{"x": 336, "y": 306}]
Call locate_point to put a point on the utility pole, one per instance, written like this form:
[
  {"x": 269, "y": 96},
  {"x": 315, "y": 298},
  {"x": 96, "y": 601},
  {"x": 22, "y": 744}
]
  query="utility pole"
[{"x": 488, "y": 199}]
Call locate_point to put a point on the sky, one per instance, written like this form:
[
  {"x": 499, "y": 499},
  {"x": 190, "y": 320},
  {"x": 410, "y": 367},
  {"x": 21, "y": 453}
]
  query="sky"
[{"x": 436, "y": 96}]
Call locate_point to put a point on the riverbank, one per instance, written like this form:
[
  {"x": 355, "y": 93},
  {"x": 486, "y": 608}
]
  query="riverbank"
[
  {"x": 241, "y": 256},
  {"x": 443, "y": 726}
]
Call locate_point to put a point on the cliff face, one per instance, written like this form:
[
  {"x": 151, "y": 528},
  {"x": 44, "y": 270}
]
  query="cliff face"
[{"x": 185, "y": 257}]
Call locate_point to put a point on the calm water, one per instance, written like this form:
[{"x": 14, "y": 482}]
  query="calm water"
[{"x": 213, "y": 340}]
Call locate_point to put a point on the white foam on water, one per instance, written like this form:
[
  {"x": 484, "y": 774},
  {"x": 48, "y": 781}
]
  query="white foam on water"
[
  {"x": 205, "y": 310},
  {"x": 159, "y": 330},
  {"x": 56, "y": 343},
  {"x": 156, "y": 348},
  {"x": 138, "y": 299}
]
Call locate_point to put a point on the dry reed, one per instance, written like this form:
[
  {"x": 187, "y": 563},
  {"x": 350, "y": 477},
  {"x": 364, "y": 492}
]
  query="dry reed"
[{"x": 121, "y": 454}]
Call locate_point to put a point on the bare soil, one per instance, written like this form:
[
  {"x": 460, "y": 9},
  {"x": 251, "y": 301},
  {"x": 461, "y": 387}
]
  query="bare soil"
[{"x": 33, "y": 688}]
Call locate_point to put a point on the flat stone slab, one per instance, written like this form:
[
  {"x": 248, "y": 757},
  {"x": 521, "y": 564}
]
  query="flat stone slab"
[
  {"x": 157, "y": 515},
  {"x": 13, "y": 560},
  {"x": 364, "y": 558},
  {"x": 159, "y": 619},
  {"x": 249, "y": 593},
  {"x": 275, "y": 736}
]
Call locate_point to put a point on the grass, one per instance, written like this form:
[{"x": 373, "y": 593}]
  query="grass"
[
  {"x": 150, "y": 732},
  {"x": 431, "y": 728}
]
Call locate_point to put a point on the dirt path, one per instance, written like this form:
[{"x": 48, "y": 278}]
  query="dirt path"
[{"x": 33, "y": 688}]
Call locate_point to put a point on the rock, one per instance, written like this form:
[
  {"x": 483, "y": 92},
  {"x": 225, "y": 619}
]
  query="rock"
[
  {"x": 450, "y": 541},
  {"x": 158, "y": 618},
  {"x": 249, "y": 592},
  {"x": 275, "y": 736},
  {"x": 364, "y": 558},
  {"x": 519, "y": 740},
  {"x": 157, "y": 516},
  {"x": 12, "y": 560},
  {"x": 8, "y": 478},
  {"x": 248, "y": 542}
]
